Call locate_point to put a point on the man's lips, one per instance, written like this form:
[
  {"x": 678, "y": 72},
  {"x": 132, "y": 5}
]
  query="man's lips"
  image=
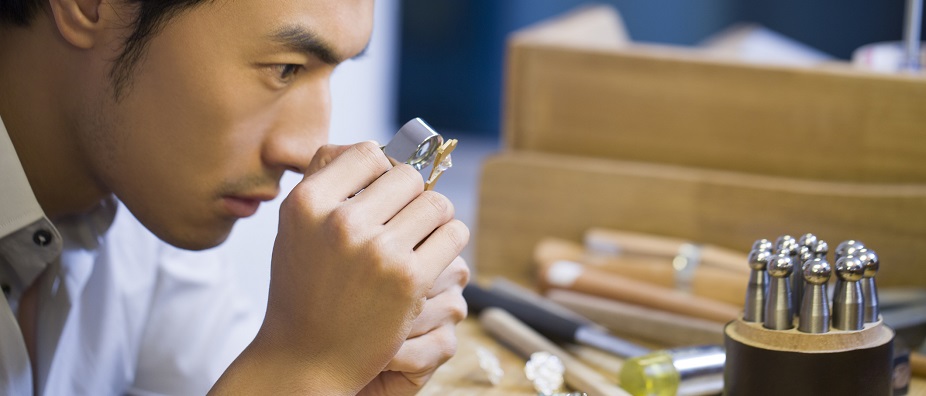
[{"x": 244, "y": 205}]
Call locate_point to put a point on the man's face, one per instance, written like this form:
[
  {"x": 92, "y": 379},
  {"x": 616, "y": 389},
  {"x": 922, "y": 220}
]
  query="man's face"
[{"x": 229, "y": 95}]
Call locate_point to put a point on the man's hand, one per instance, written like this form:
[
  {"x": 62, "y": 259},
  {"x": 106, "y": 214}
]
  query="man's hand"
[
  {"x": 355, "y": 280},
  {"x": 432, "y": 340}
]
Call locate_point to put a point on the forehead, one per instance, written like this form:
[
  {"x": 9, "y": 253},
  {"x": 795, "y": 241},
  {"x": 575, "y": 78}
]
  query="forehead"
[{"x": 345, "y": 25}]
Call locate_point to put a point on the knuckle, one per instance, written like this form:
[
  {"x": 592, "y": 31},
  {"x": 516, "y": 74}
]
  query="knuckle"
[
  {"x": 459, "y": 310},
  {"x": 409, "y": 176},
  {"x": 324, "y": 154},
  {"x": 447, "y": 344},
  {"x": 301, "y": 201},
  {"x": 460, "y": 270},
  {"x": 458, "y": 234},
  {"x": 342, "y": 226},
  {"x": 384, "y": 248},
  {"x": 405, "y": 282},
  {"x": 421, "y": 366},
  {"x": 438, "y": 202},
  {"x": 372, "y": 157}
]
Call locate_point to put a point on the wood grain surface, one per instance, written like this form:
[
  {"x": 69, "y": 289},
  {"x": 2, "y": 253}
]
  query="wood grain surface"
[
  {"x": 461, "y": 375},
  {"x": 682, "y": 106}
]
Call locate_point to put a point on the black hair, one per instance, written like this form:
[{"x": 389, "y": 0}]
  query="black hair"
[{"x": 150, "y": 17}]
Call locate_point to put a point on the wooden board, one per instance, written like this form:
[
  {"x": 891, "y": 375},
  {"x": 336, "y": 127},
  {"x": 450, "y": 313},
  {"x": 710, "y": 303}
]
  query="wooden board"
[
  {"x": 599, "y": 97},
  {"x": 527, "y": 196}
]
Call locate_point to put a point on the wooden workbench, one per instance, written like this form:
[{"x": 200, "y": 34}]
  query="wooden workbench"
[{"x": 461, "y": 375}]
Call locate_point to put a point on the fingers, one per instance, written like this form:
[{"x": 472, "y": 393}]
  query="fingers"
[
  {"x": 441, "y": 248},
  {"x": 354, "y": 169},
  {"x": 445, "y": 303},
  {"x": 420, "y": 356},
  {"x": 389, "y": 194},
  {"x": 428, "y": 211},
  {"x": 456, "y": 274},
  {"x": 443, "y": 309},
  {"x": 324, "y": 156}
]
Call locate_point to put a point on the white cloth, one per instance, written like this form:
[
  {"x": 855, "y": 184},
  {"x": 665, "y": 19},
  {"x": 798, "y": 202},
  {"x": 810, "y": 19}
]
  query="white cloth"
[{"x": 120, "y": 312}]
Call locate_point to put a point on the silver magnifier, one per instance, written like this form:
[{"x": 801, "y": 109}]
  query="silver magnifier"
[
  {"x": 415, "y": 144},
  {"x": 418, "y": 145}
]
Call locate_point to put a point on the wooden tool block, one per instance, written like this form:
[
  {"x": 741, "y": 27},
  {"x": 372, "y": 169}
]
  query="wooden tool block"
[
  {"x": 526, "y": 196},
  {"x": 593, "y": 95},
  {"x": 763, "y": 361}
]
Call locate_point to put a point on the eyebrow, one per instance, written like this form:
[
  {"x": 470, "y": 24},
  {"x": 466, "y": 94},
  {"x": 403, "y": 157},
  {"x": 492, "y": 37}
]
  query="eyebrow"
[{"x": 300, "y": 39}]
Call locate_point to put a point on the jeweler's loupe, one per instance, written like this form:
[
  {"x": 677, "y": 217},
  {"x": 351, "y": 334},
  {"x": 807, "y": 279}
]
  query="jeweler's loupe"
[
  {"x": 415, "y": 144},
  {"x": 418, "y": 145}
]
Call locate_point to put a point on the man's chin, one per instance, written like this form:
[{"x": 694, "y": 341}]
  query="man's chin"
[{"x": 200, "y": 238}]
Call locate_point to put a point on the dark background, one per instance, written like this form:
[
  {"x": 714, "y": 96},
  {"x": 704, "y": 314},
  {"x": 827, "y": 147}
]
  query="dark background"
[{"x": 452, "y": 51}]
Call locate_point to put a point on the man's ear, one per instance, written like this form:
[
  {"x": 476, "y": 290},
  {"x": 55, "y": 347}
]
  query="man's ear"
[{"x": 79, "y": 21}]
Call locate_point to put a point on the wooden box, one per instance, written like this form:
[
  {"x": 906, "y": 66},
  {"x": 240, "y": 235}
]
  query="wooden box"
[{"x": 671, "y": 141}]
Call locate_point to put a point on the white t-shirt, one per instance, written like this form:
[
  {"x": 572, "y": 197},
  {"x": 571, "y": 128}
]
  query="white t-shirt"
[{"x": 119, "y": 311}]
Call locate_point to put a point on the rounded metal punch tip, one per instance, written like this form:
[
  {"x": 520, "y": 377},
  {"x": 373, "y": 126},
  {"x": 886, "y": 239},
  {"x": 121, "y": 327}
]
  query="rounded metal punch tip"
[
  {"x": 817, "y": 271},
  {"x": 850, "y": 269},
  {"x": 821, "y": 248},
  {"x": 806, "y": 254},
  {"x": 758, "y": 259},
  {"x": 808, "y": 240},
  {"x": 780, "y": 266},
  {"x": 785, "y": 243},
  {"x": 848, "y": 247},
  {"x": 869, "y": 260},
  {"x": 763, "y": 244}
]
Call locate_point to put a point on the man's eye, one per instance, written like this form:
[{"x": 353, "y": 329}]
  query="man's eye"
[{"x": 287, "y": 71}]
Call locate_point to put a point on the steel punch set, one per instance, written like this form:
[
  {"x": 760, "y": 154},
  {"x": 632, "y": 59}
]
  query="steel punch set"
[{"x": 799, "y": 337}]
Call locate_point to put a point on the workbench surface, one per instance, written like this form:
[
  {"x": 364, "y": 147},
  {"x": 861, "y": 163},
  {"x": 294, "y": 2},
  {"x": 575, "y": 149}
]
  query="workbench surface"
[{"x": 461, "y": 375}]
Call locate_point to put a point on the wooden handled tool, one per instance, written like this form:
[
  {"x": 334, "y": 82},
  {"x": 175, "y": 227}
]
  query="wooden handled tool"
[
  {"x": 603, "y": 240},
  {"x": 525, "y": 341},
  {"x": 585, "y": 279},
  {"x": 716, "y": 283},
  {"x": 640, "y": 322},
  {"x": 554, "y": 273}
]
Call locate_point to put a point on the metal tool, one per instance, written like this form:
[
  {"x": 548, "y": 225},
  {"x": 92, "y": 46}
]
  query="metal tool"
[
  {"x": 848, "y": 247},
  {"x": 778, "y": 311},
  {"x": 754, "y": 308},
  {"x": 415, "y": 144},
  {"x": 551, "y": 325},
  {"x": 763, "y": 244},
  {"x": 871, "y": 263},
  {"x": 418, "y": 145},
  {"x": 808, "y": 239},
  {"x": 815, "y": 305},
  {"x": 821, "y": 248},
  {"x": 848, "y": 303},
  {"x": 682, "y": 372},
  {"x": 785, "y": 243},
  {"x": 805, "y": 245},
  {"x": 845, "y": 248}
]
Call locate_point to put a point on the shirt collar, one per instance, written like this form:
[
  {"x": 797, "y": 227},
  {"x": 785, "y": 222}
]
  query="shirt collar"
[
  {"x": 19, "y": 207},
  {"x": 28, "y": 240}
]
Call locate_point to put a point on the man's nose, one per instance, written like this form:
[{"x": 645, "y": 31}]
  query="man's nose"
[{"x": 300, "y": 129}]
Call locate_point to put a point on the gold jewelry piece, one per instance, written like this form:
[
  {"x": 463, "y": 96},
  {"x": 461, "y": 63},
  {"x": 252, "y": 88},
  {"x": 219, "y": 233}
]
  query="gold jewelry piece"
[{"x": 442, "y": 162}]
